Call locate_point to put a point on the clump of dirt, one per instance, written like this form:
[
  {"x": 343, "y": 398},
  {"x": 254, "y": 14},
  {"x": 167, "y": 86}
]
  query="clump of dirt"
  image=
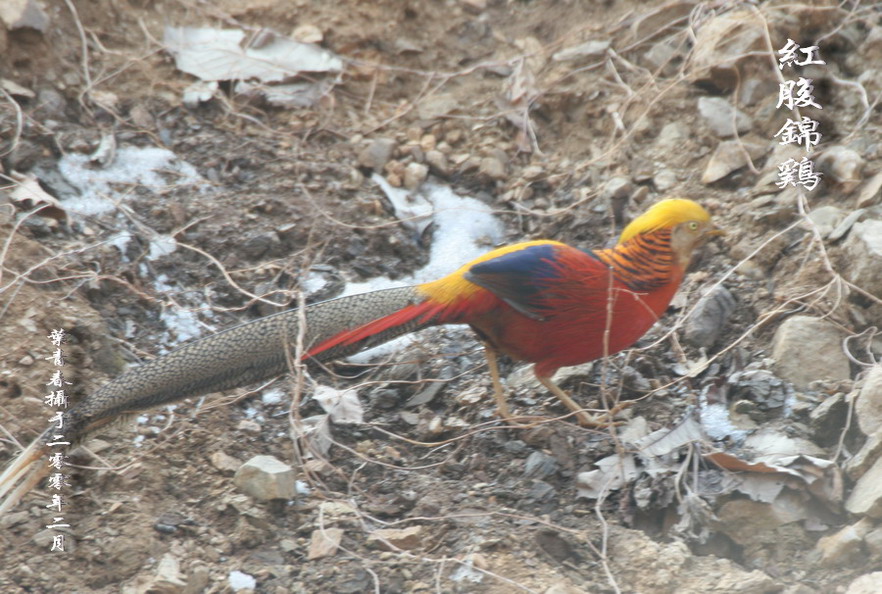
[{"x": 566, "y": 119}]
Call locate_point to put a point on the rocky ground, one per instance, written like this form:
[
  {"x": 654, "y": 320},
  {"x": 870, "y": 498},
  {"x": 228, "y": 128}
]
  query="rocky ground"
[{"x": 749, "y": 461}]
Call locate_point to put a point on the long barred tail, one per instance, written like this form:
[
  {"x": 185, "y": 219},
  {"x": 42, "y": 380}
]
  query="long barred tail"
[{"x": 245, "y": 354}]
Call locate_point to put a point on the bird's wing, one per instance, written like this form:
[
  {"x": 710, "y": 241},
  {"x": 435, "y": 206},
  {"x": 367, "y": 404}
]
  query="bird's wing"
[{"x": 531, "y": 279}]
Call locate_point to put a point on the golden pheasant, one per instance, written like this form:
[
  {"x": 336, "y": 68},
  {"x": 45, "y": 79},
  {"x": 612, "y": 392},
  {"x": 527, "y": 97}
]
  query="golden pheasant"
[{"x": 540, "y": 301}]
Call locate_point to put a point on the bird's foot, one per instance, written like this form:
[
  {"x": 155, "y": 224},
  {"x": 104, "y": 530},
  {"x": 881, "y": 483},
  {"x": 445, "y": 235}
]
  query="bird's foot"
[{"x": 603, "y": 420}]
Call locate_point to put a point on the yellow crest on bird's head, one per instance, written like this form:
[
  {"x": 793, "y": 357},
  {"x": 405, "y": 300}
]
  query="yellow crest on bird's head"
[{"x": 664, "y": 215}]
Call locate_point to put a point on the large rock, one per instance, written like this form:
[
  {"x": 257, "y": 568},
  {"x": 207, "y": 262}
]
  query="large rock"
[
  {"x": 863, "y": 256},
  {"x": 868, "y": 407},
  {"x": 722, "y": 117},
  {"x": 806, "y": 349},
  {"x": 866, "y": 584},
  {"x": 265, "y": 478},
  {"x": 724, "y": 44},
  {"x": 866, "y": 497}
]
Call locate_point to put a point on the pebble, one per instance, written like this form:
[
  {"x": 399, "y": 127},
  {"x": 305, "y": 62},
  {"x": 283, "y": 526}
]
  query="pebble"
[
  {"x": 590, "y": 49},
  {"x": 249, "y": 426},
  {"x": 265, "y": 478},
  {"x": 437, "y": 162},
  {"x": 406, "y": 539},
  {"x": 722, "y": 118},
  {"x": 843, "y": 165},
  {"x": 539, "y": 465},
  {"x": 664, "y": 180},
  {"x": 672, "y": 135},
  {"x": 807, "y": 349},
  {"x": 224, "y": 462},
  {"x": 377, "y": 153},
  {"x": 414, "y": 175},
  {"x": 307, "y": 34},
  {"x": 492, "y": 168},
  {"x": 728, "y": 157}
]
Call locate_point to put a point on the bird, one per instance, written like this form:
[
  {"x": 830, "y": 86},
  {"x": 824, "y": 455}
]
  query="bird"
[{"x": 541, "y": 301}]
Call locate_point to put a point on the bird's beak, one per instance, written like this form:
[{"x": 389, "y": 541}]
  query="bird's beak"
[{"x": 715, "y": 232}]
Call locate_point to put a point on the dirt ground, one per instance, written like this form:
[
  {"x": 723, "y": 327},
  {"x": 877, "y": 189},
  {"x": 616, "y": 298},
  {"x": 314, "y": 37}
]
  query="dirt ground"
[{"x": 287, "y": 195}]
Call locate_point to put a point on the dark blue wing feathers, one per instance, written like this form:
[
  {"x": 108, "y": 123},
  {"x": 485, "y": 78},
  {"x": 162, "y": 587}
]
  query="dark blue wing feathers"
[{"x": 520, "y": 278}]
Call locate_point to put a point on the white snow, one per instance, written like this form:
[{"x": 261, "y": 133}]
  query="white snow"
[
  {"x": 132, "y": 166},
  {"x": 241, "y": 581}
]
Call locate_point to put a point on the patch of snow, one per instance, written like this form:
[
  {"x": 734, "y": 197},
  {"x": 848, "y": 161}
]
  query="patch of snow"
[
  {"x": 132, "y": 167},
  {"x": 241, "y": 581},
  {"x": 716, "y": 423}
]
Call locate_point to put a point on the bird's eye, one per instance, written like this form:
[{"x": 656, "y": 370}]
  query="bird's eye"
[{"x": 693, "y": 226}]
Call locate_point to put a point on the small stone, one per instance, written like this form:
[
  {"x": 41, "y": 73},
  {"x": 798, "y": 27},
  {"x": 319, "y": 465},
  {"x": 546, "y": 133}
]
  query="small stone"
[
  {"x": 307, "y": 34},
  {"x": 224, "y": 462},
  {"x": 590, "y": 49},
  {"x": 407, "y": 539},
  {"x": 728, "y": 157},
  {"x": 865, "y": 498},
  {"x": 866, "y": 584},
  {"x": 532, "y": 172},
  {"x": 709, "y": 318},
  {"x": 833, "y": 549},
  {"x": 539, "y": 465},
  {"x": 615, "y": 188},
  {"x": 414, "y": 175},
  {"x": 377, "y": 153},
  {"x": 324, "y": 543},
  {"x": 722, "y": 118},
  {"x": 492, "y": 168},
  {"x": 428, "y": 142},
  {"x": 437, "y": 162},
  {"x": 168, "y": 576},
  {"x": 664, "y": 180},
  {"x": 843, "y": 165},
  {"x": 249, "y": 426},
  {"x": 265, "y": 478},
  {"x": 807, "y": 349},
  {"x": 672, "y": 135}
]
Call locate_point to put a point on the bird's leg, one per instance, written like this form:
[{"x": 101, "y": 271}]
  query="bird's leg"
[
  {"x": 498, "y": 392},
  {"x": 585, "y": 419}
]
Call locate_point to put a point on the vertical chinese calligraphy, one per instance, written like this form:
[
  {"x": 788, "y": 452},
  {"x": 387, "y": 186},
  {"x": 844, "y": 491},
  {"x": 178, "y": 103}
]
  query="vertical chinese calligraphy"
[
  {"x": 803, "y": 130},
  {"x": 56, "y": 399}
]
